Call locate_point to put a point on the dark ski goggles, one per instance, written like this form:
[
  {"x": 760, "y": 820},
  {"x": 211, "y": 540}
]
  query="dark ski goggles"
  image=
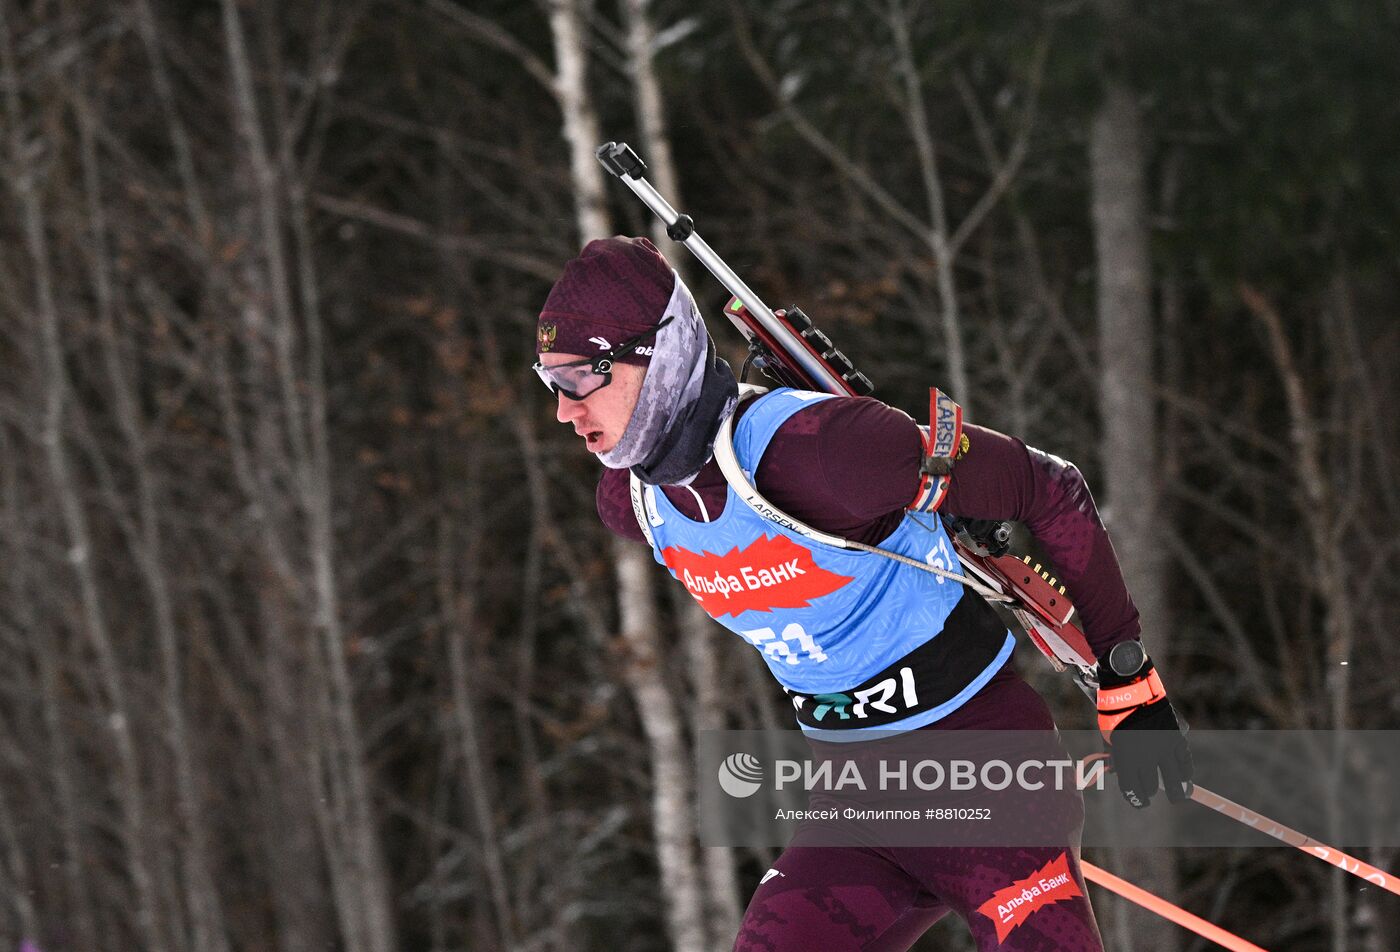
[{"x": 579, "y": 379}]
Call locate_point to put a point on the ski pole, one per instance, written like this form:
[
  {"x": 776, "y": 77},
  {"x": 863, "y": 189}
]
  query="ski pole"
[
  {"x": 1330, "y": 854},
  {"x": 1166, "y": 910},
  {"x": 1284, "y": 834}
]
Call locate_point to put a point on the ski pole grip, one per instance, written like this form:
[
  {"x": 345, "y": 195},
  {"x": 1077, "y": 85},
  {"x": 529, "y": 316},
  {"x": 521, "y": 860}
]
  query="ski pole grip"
[{"x": 619, "y": 159}]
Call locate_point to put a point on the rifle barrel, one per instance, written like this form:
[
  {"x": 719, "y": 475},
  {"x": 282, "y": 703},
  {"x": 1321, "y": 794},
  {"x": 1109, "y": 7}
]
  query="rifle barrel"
[{"x": 633, "y": 179}]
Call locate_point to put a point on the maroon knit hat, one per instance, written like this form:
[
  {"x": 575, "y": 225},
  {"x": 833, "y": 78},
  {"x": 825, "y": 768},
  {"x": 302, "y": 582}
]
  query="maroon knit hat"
[{"x": 615, "y": 289}]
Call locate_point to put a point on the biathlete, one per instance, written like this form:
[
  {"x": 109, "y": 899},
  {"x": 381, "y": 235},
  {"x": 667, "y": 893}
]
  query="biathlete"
[{"x": 622, "y": 345}]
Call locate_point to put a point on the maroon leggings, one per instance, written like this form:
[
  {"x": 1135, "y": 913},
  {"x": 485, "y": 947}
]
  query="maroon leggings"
[{"x": 881, "y": 899}]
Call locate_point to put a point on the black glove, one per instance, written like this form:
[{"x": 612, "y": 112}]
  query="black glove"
[{"x": 1143, "y": 734}]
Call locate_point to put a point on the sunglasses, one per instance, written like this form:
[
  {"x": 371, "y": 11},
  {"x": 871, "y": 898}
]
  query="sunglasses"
[{"x": 579, "y": 379}]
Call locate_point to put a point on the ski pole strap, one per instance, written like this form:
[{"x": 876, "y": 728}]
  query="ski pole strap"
[
  {"x": 1116, "y": 703},
  {"x": 944, "y": 442}
]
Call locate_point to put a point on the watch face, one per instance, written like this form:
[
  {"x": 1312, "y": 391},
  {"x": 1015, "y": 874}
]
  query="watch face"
[{"x": 1126, "y": 658}]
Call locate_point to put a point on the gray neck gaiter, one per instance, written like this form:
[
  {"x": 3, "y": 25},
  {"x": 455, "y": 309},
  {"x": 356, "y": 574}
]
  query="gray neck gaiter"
[{"x": 666, "y": 441}]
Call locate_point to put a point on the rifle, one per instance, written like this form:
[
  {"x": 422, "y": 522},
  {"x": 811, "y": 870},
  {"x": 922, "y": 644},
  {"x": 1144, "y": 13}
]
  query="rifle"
[{"x": 786, "y": 346}]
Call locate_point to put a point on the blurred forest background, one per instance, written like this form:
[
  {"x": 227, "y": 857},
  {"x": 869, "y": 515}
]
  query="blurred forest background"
[{"x": 310, "y": 636}]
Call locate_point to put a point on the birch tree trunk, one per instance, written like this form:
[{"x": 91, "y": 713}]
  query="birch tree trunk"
[
  {"x": 672, "y": 819},
  {"x": 722, "y": 908},
  {"x": 581, "y": 134},
  {"x": 697, "y": 628},
  {"x": 1117, "y": 163},
  {"x": 651, "y": 111},
  {"x": 1126, "y": 337}
]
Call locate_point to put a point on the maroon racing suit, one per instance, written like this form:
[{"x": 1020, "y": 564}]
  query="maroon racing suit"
[{"x": 850, "y": 466}]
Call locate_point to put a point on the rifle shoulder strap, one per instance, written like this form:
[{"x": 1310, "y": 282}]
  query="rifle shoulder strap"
[
  {"x": 742, "y": 484},
  {"x": 743, "y": 487},
  {"x": 640, "y": 509}
]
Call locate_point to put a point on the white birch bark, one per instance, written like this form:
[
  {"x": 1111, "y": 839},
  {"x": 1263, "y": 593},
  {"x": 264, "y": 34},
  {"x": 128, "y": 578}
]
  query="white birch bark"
[
  {"x": 721, "y": 883},
  {"x": 651, "y": 110},
  {"x": 722, "y": 906},
  {"x": 581, "y": 134},
  {"x": 672, "y": 820}
]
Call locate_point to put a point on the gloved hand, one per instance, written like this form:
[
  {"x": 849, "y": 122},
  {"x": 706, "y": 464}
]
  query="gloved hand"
[{"x": 1141, "y": 728}]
